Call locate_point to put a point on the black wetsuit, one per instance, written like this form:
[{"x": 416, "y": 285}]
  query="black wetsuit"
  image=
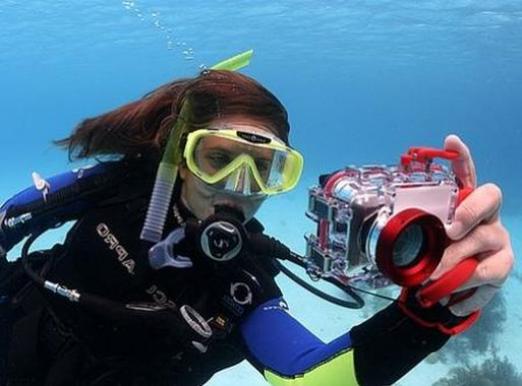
[
  {"x": 103, "y": 255},
  {"x": 50, "y": 341}
]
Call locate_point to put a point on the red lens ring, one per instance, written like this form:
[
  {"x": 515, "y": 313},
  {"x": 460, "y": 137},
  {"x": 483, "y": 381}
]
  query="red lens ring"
[{"x": 435, "y": 241}]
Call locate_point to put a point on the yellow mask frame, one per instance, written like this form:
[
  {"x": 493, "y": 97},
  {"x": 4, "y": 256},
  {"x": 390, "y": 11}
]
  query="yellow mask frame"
[{"x": 285, "y": 168}]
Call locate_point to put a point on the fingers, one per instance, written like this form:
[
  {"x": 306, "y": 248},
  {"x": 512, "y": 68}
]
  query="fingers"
[
  {"x": 492, "y": 270},
  {"x": 481, "y": 206},
  {"x": 463, "y": 167},
  {"x": 479, "y": 299},
  {"x": 482, "y": 240}
]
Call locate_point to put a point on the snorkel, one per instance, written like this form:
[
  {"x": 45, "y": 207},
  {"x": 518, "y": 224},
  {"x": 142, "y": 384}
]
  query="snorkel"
[{"x": 167, "y": 173}]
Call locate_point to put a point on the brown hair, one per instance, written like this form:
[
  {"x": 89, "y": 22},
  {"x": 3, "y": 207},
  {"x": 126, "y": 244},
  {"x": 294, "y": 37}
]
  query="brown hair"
[{"x": 142, "y": 127}]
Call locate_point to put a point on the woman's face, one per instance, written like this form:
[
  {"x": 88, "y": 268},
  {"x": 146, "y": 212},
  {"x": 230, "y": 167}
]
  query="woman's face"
[{"x": 201, "y": 198}]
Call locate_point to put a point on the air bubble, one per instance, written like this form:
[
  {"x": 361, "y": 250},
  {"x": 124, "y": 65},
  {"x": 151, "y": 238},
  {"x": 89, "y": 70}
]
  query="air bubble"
[{"x": 154, "y": 18}]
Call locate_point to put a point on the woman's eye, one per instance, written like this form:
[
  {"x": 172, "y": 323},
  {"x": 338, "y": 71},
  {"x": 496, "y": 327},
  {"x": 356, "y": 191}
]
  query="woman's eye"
[
  {"x": 219, "y": 159},
  {"x": 262, "y": 165}
]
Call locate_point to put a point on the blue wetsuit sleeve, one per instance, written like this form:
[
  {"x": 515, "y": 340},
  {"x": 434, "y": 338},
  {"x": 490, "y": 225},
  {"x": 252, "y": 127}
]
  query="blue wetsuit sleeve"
[
  {"x": 289, "y": 354},
  {"x": 378, "y": 351}
]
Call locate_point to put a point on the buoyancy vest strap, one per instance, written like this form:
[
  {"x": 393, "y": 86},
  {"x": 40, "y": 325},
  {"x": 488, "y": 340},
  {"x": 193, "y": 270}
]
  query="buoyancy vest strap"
[{"x": 68, "y": 196}]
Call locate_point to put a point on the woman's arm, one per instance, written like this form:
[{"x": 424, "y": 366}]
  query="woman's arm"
[{"x": 377, "y": 352}]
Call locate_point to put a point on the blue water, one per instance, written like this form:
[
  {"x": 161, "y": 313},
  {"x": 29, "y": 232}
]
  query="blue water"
[{"x": 362, "y": 81}]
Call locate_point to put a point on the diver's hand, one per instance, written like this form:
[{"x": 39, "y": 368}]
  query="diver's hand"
[{"x": 477, "y": 231}]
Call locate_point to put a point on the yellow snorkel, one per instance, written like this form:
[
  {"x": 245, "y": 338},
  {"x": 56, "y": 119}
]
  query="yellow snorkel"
[
  {"x": 235, "y": 62},
  {"x": 168, "y": 168}
]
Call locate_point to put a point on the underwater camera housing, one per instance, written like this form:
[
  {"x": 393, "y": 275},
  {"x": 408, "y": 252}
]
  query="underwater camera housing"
[{"x": 383, "y": 224}]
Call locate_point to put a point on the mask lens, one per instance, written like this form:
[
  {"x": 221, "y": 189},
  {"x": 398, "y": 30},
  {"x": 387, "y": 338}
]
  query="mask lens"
[
  {"x": 212, "y": 155},
  {"x": 224, "y": 160}
]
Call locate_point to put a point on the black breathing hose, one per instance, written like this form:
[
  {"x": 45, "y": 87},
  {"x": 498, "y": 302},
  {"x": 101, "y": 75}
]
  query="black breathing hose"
[
  {"x": 152, "y": 316},
  {"x": 259, "y": 243},
  {"x": 357, "y": 302},
  {"x": 270, "y": 246}
]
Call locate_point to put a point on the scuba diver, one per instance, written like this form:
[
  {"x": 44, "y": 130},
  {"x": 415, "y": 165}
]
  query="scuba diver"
[{"x": 163, "y": 290}]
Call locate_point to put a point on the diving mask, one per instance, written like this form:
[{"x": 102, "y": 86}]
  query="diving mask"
[{"x": 242, "y": 162}]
